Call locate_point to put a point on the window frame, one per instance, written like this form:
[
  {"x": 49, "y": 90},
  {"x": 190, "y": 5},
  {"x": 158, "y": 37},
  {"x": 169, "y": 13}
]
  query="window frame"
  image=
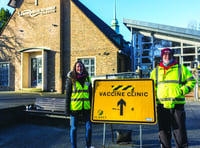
[
  {"x": 8, "y": 74},
  {"x": 89, "y": 57}
]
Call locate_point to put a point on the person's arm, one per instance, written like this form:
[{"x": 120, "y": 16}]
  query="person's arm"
[
  {"x": 189, "y": 81},
  {"x": 153, "y": 76},
  {"x": 68, "y": 95},
  {"x": 90, "y": 94}
]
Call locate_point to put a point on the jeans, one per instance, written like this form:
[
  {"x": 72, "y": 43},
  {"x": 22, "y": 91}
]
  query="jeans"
[{"x": 73, "y": 131}]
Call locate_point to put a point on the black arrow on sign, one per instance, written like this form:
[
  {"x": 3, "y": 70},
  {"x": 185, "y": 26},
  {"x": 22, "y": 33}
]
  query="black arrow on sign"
[{"x": 121, "y": 103}]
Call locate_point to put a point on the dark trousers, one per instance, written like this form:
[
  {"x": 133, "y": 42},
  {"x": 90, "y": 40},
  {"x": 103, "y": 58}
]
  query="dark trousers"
[{"x": 172, "y": 119}]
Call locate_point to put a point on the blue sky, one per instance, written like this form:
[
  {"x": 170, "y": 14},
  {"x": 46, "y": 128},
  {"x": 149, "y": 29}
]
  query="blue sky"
[
  {"x": 3, "y": 3},
  {"x": 169, "y": 12}
]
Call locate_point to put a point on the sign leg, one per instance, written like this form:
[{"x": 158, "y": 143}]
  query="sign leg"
[
  {"x": 140, "y": 136},
  {"x": 104, "y": 134}
]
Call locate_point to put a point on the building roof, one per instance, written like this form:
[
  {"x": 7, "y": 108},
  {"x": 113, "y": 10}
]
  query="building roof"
[
  {"x": 32, "y": 49},
  {"x": 107, "y": 30},
  {"x": 115, "y": 38},
  {"x": 163, "y": 30}
]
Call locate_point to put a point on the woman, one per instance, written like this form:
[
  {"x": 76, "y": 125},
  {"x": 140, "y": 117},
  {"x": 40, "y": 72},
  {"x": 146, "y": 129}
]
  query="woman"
[{"x": 78, "y": 101}]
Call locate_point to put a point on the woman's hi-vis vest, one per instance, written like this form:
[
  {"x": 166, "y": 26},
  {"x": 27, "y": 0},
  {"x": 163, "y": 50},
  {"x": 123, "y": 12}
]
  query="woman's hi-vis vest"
[
  {"x": 172, "y": 86},
  {"x": 80, "y": 96}
]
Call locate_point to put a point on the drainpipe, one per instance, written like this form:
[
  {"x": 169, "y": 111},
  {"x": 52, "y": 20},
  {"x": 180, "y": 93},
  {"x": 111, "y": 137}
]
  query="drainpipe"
[
  {"x": 134, "y": 51},
  {"x": 132, "y": 69}
]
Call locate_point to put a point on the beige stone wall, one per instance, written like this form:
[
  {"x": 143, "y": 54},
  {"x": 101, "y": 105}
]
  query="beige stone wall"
[
  {"x": 25, "y": 67},
  {"x": 87, "y": 40},
  {"x": 69, "y": 35},
  {"x": 39, "y": 31}
]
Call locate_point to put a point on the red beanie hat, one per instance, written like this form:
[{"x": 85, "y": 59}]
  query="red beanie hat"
[{"x": 166, "y": 50}]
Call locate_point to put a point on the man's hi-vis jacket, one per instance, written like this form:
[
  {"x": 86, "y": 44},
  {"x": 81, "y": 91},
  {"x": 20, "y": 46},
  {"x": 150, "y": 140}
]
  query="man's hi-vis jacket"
[{"x": 172, "y": 84}]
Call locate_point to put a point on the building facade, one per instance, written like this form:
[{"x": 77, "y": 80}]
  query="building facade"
[
  {"x": 43, "y": 39},
  {"x": 148, "y": 39}
]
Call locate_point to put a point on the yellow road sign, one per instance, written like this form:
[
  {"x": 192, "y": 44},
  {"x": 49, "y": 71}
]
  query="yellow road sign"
[{"x": 130, "y": 101}]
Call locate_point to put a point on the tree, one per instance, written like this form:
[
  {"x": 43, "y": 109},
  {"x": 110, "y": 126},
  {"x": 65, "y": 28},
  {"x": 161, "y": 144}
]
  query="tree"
[
  {"x": 193, "y": 24},
  {"x": 4, "y": 17}
]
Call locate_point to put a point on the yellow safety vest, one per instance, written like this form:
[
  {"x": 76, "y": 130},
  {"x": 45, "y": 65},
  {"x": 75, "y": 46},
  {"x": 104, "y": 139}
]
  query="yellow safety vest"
[
  {"x": 172, "y": 87},
  {"x": 80, "y": 96}
]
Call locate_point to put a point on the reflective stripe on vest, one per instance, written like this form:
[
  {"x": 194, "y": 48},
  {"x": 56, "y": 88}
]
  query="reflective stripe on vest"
[
  {"x": 171, "y": 99},
  {"x": 80, "y": 96}
]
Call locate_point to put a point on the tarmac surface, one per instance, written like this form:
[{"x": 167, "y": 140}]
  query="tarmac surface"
[{"x": 43, "y": 132}]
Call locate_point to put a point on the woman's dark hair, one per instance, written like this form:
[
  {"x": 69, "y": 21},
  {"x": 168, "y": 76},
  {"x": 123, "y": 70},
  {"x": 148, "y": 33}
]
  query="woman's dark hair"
[{"x": 74, "y": 73}]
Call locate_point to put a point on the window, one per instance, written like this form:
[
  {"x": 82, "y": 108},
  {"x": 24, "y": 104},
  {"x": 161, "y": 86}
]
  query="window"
[
  {"x": 89, "y": 65},
  {"x": 188, "y": 58},
  {"x": 12, "y": 3},
  {"x": 4, "y": 74}
]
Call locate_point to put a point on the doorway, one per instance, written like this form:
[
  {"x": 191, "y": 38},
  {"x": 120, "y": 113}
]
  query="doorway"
[{"x": 36, "y": 71}]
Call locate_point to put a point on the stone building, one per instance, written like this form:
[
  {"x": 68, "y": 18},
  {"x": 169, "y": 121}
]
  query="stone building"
[{"x": 43, "y": 39}]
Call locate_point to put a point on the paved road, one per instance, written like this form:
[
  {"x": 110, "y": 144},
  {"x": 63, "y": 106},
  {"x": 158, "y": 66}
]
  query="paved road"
[{"x": 54, "y": 133}]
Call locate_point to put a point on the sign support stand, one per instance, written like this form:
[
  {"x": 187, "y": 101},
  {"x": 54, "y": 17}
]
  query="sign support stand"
[
  {"x": 104, "y": 134},
  {"x": 140, "y": 136}
]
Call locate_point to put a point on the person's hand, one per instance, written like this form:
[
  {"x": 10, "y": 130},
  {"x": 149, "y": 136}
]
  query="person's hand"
[{"x": 181, "y": 92}]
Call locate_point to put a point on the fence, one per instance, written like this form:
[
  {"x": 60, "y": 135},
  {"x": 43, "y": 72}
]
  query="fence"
[
  {"x": 195, "y": 93},
  {"x": 137, "y": 74}
]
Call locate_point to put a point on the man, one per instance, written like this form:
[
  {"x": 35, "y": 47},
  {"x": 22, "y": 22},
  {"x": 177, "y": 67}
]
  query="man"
[{"x": 172, "y": 82}]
